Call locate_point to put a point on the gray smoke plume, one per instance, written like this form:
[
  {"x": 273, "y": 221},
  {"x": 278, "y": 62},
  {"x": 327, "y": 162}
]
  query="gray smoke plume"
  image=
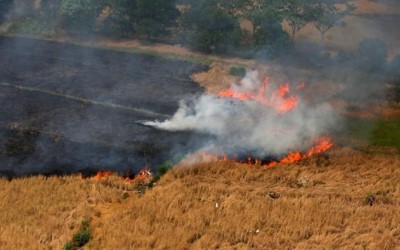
[{"x": 249, "y": 127}]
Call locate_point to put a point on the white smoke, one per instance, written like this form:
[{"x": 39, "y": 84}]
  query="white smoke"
[{"x": 248, "y": 126}]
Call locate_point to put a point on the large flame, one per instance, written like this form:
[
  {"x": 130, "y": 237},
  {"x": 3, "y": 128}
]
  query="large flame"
[
  {"x": 279, "y": 99},
  {"x": 282, "y": 101}
]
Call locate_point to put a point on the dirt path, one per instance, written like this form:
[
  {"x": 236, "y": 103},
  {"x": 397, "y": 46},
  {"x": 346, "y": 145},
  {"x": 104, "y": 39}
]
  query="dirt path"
[{"x": 159, "y": 49}]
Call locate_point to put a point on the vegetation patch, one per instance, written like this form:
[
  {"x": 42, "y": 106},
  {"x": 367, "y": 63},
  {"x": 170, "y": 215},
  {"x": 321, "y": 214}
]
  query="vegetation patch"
[
  {"x": 237, "y": 71},
  {"x": 81, "y": 238},
  {"x": 375, "y": 132}
]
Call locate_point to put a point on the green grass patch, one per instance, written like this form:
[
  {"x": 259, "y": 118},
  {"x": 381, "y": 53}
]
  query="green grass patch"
[
  {"x": 386, "y": 133},
  {"x": 375, "y": 132},
  {"x": 237, "y": 71}
]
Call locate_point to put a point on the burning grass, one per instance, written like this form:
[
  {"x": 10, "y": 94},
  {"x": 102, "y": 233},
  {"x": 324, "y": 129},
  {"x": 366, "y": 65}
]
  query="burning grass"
[{"x": 319, "y": 201}]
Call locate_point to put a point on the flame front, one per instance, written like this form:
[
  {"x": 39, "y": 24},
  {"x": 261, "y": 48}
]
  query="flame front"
[
  {"x": 144, "y": 176},
  {"x": 280, "y": 99},
  {"x": 323, "y": 144}
]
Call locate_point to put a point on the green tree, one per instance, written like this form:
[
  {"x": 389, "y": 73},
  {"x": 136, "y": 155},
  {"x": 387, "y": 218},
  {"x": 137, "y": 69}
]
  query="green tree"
[
  {"x": 297, "y": 15},
  {"x": 325, "y": 15},
  {"x": 266, "y": 18},
  {"x": 49, "y": 10},
  {"x": 211, "y": 29},
  {"x": 155, "y": 17},
  {"x": 121, "y": 18},
  {"x": 5, "y": 7},
  {"x": 79, "y": 16}
]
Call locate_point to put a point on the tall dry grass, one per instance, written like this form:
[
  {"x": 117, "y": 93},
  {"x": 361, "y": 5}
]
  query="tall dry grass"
[
  {"x": 43, "y": 213},
  {"x": 321, "y": 205},
  {"x": 226, "y": 205}
]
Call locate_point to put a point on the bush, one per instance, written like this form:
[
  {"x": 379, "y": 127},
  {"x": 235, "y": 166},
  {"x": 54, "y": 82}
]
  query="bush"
[
  {"x": 79, "y": 16},
  {"x": 164, "y": 167},
  {"x": 211, "y": 28},
  {"x": 80, "y": 238},
  {"x": 68, "y": 246},
  {"x": 237, "y": 71}
]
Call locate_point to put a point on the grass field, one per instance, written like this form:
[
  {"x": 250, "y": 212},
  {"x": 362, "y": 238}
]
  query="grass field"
[
  {"x": 319, "y": 202},
  {"x": 384, "y": 133},
  {"x": 345, "y": 198}
]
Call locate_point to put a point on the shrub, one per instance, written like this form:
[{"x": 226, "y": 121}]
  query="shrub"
[
  {"x": 212, "y": 29},
  {"x": 68, "y": 246},
  {"x": 80, "y": 238},
  {"x": 85, "y": 224},
  {"x": 237, "y": 71},
  {"x": 164, "y": 167}
]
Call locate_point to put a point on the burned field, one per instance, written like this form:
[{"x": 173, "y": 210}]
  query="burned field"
[{"x": 66, "y": 108}]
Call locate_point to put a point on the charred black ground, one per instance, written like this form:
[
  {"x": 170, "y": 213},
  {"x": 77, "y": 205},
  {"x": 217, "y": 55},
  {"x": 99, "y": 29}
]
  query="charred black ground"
[{"x": 66, "y": 108}]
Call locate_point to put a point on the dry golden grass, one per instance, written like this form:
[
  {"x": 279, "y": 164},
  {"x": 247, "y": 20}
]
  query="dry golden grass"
[
  {"x": 226, "y": 205},
  {"x": 215, "y": 79},
  {"x": 43, "y": 213}
]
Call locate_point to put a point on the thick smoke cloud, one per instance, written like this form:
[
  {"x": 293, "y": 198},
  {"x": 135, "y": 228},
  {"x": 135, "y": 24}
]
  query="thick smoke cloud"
[{"x": 249, "y": 127}]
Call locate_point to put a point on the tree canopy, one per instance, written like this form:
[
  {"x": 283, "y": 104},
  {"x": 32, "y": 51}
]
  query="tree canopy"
[
  {"x": 207, "y": 25},
  {"x": 5, "y": 6}
]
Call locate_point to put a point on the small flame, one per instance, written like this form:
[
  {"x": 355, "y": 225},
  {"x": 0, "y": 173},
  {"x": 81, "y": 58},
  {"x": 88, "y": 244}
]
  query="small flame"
[
  {"x": 102, "y": 175},
  {"x": 280, "y": 99},
  {"x": 144, "y": 176}
]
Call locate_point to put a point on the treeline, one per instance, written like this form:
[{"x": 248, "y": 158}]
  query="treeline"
[{"x": 206, "y": 25}]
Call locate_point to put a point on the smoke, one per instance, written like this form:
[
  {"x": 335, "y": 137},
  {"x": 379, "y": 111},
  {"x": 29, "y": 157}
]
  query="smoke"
[{"x": 249, "y": 127}]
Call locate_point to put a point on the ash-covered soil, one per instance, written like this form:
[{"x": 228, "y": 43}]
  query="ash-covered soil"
[{"x": 66, "y": 108}]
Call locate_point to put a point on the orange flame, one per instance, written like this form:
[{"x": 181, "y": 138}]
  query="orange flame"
[
  {"x": 102, "y": 175},
  {"x": 280, "y": 100},
  {"x": 322, "y": 145},
  {"x": 144, "y": 175}
]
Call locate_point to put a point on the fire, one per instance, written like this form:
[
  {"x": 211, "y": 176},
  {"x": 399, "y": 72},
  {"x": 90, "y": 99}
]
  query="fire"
[
  {"x": 280, "y": 99},
  {"x": 102, "y": 175},
  {"x": 145, "y": 176},
  {"x": 322, "y": 145}
]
